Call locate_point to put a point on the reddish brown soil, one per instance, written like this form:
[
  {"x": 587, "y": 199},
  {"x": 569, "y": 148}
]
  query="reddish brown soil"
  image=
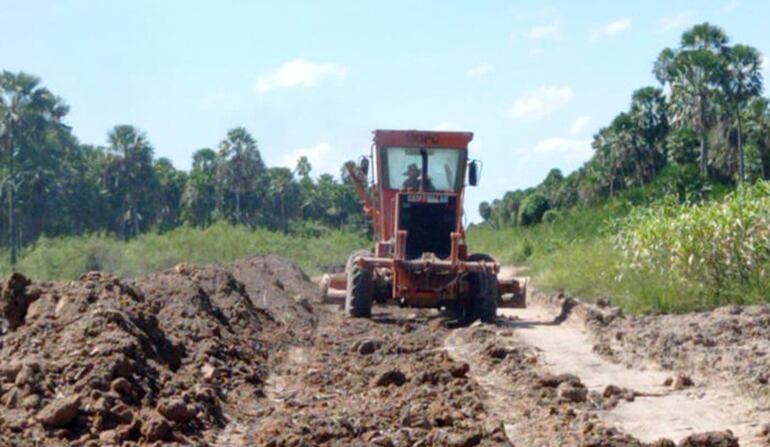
[{"x": 244, "y": 354}]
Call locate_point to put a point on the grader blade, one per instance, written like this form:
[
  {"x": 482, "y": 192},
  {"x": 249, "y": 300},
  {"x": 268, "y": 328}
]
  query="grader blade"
[
  {"x": 513, "y": 292},
  {"x": 333, "y": 288}
]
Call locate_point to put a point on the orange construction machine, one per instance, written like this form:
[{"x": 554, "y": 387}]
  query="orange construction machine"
[{"x": 420, "y": 258}]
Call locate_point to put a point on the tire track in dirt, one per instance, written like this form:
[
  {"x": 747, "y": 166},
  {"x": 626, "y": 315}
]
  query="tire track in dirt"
[
  {"x": 566, "y": 348},
  {"x": 281, "y": 385},
  {"x": 499, "y": 393},
  {"x": 381, "y": 381}
]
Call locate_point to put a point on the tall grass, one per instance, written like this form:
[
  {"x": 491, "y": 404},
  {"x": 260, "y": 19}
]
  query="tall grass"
[
  {"x": 711, "y": 254},
  {"x": 68, "y": 257},
  {"x": 527, "y": 244},
  {"x": 661, "y": 257}
]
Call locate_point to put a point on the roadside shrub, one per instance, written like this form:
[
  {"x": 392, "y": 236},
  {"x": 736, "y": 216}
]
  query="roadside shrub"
[
  {"x": 551, "y": 216},
  {"x": 532, "y": 209},
  {"x": 67, "y": 258},
  {"x": 712, "y": 252},
  {"x": 527, "y": 249}
]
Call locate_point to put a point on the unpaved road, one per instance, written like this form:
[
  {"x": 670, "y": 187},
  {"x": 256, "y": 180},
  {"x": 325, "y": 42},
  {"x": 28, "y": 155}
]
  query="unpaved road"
[
  {"x": 243, "y": 354},
  {"x": 660, "y": 411}
]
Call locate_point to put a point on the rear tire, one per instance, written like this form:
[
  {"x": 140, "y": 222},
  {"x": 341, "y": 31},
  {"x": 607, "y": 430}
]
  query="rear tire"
[
  {"x": 483, "y": 304},
  {"x": 360, "y": 289}
]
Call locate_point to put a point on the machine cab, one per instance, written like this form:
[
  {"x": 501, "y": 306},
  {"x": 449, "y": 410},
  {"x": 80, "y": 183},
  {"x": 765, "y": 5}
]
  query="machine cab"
[{"x": 420, "y": 183}]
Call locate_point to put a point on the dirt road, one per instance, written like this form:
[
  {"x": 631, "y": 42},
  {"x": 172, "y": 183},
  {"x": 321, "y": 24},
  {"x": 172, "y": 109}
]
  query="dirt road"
[
  {"x": 244, "y": 354},
  {"x": 657, "y": 410}
]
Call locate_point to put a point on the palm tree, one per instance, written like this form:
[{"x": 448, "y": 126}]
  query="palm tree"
[
  {"x": 239, "y": 169},
  {"x": 757, "y": 117},
  {"x": 204, "y": 160},
  {"x": 131, "y": 177},
  {"x": 303, "y": 167},
  {"x": 648, "y": 114},
  {"x": 281, "y": 180},
  {"x": 741, "y": 81},
  {"x": 27, "y": 112},
  {"x": 693, "y": 72}
]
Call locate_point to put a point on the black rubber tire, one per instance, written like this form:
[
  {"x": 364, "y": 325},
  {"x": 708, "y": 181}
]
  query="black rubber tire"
[
  {"x": 483, "y": 305},
  {"x": 360, "y": 289}
]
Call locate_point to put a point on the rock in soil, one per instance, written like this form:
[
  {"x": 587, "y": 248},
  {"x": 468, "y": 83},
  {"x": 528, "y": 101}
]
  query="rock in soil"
[{"x": 60, "y": 412}]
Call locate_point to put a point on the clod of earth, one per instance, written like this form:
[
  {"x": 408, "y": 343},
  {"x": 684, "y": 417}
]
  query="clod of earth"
[
  {"x": 15, "y": 297},
  {"x": 391, "y": 377},
  {"x": 710, "y": 439},
  {"x": 60, "y": 412},
  {"x": 683, "y": 381}
]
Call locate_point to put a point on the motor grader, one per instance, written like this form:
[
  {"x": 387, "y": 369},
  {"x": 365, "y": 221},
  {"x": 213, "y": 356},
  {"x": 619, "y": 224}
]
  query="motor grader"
[{"x": 414, "y": 199}]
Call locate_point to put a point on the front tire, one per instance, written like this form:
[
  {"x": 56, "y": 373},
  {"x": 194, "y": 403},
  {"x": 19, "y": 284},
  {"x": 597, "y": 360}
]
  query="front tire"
[
  {"x": 360, "y": 289},
  {"x": 483, "y": 305}
]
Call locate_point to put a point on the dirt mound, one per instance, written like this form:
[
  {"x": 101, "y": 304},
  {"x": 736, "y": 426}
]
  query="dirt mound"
[
  {"x": 266, "y": 277},
  {"x": 165, "y": 357}
]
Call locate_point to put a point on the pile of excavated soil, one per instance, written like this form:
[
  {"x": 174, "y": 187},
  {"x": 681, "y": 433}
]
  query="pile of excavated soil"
[
  {"x": 385, "y": 382},
  {"x": 165, "y": 358}
]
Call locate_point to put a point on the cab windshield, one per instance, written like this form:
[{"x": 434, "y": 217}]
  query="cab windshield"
[{"x": 403, "y": 167}]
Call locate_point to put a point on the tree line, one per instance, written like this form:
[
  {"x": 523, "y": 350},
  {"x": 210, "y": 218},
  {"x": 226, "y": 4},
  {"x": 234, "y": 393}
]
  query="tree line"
[
  {"x": 53, "y": 185},
  {"x": 706, "y": 124}
]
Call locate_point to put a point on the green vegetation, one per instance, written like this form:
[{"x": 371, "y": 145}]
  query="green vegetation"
[
  {"x": 650, "y": 220},
  {"x": 709, "y": 254},
  {"x": 66, "y": 258},
  {"x": 53, "y": 186},
  {"x": 663, "y": 256},
  {"x": 708, "y": 126}
]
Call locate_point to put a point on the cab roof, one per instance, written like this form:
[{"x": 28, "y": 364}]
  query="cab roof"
[{"x": 422, "y": 138}]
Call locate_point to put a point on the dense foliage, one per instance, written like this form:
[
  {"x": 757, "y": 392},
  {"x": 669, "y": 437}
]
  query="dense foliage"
[
  {"x": 714, "y": 252},
  {"x": 52, "y": 185},
  {"x": 707, "y": 127}
]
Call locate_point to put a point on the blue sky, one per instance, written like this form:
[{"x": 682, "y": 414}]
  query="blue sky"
[{"x": 532, "y": 80}]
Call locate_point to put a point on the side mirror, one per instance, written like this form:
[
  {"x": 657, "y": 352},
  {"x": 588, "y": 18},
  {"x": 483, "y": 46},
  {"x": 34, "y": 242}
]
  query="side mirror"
[
  {"x": 363, "y": 165},
  {"x": 473, "y": 173}
]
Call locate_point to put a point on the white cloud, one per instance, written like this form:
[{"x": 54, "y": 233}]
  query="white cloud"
[
  {"x": 579, "y": 125},
  {"x": 320, "y": 157},
  {"x": 574, "y": 148},
  {"x": 539, "y": 103},
  {"x": 539, "y": 32},
  {"x": 611, "y": 29},
  {"x": 764, "y": 64},
  {"x": 730, "y": 6},
  {"x": 443, "y": 126},
  {"x": 480, "y": 71},
  {"x": 675, "y": 22},
  {"x": 299, "y": 73}
]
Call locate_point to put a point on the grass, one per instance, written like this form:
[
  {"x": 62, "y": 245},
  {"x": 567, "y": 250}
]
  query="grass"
[
  {"x": 68, "y": 257},
  {"x": 642, "y": 256},
  {"x": 645, "y": 258}
]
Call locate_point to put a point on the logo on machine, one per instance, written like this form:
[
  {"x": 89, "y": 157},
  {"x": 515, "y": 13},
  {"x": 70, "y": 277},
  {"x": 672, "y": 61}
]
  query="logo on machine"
[
  {"x": 427, "y": 198},
  {"x": 423, "y": 138}
]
